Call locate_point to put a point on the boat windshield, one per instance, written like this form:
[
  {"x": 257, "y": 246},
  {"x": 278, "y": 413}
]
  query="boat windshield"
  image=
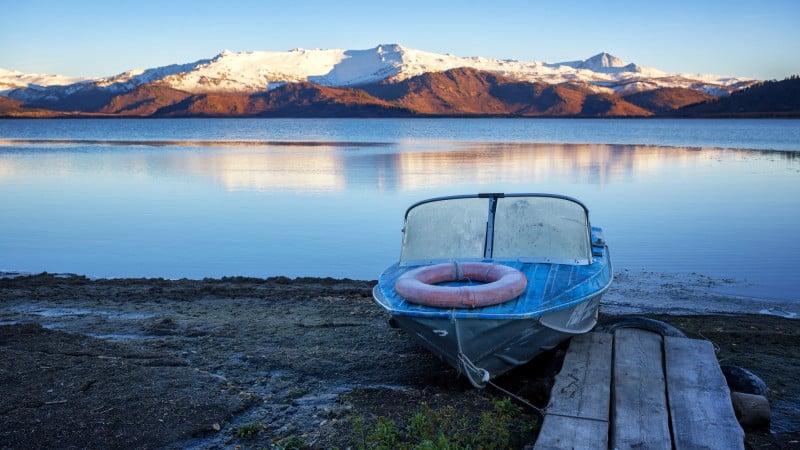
[{"x": 528, "y": 228}]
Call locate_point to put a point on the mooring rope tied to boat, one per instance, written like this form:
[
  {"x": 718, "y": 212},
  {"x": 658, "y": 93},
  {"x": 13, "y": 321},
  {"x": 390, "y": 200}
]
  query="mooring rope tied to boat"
[
  {"x": 485, "y": 376},
  {"x": 540, "y": 411}
]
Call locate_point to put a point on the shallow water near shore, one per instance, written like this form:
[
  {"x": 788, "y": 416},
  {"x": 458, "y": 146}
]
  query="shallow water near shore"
[{"x": 211, "y": 198}]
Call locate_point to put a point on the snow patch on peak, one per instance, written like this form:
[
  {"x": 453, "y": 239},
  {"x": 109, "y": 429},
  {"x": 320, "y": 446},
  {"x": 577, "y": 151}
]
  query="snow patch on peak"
[
  {"x": 633, "y": 68},
  {"x": 604, "y": 61},
  {"x": 363, "y": 66},
  {"x": 132, "y": 78},
  {"x": 12, "y": 79},
  {"x": 601, "y": 62},
  {"x": 389, "y": 48},
  {"x": 606, "y": 64},
  {"x": 225, "y": 54}
]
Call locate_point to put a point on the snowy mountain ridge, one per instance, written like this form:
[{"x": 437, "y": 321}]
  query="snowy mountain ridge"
[{"x": 260, "y": 71}]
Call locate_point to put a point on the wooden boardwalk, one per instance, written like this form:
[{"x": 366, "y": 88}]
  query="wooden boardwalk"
[{"x": 637, "y": 390}]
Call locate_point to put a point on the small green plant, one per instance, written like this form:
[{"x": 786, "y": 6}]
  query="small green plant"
[
  {"x": 290, "y": 443},
  {"x": 504, "y": 426},
  {"x": 248, "y": 431},
  {"x": 494, "y": 428},
  {"x": 384, "y": 435},
  {"x": 422, "y": 427}
]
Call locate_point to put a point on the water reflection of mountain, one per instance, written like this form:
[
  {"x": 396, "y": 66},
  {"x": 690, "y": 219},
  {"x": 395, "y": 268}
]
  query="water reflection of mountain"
[
  {"x": 520, "y": 163},
  {"x": 403, "y": 166},
  {"x": 300, "y": 169},
  {"x": 416, "y": 166}
]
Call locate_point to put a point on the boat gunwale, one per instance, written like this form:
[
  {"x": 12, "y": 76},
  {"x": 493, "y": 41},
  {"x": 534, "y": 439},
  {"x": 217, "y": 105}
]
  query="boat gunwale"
[{"x": 603, "y": 265}]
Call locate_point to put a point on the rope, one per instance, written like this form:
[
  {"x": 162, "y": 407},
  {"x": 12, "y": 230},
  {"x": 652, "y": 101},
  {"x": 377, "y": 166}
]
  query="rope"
[
  {"x": 486, "y": 378},
  {"x": 470, "y": 366},
  {"x": 516, "y": 397}
]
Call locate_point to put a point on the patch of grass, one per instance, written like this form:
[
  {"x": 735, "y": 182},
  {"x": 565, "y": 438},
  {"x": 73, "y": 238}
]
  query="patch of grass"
[
  {"x": 290, "y": 443},
  {"x": 248, "y": 431},
  {"x": 505, "y": 426}
]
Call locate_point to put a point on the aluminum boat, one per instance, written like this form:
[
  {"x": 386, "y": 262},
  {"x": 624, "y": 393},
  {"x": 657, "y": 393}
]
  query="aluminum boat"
[{"x": 489, "y": 281}]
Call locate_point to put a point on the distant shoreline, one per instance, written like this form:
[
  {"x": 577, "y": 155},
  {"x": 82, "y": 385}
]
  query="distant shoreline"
[{"x": 70, "y": 115}]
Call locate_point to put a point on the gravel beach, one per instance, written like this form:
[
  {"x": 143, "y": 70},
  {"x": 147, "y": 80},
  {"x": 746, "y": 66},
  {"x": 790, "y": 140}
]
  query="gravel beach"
[{"x": 250, "y": 363}]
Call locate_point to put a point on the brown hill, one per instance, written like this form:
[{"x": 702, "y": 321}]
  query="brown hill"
[
  {"x": 311, "y": 100},
  {"x": 468, "y": 91},
  {"x": 144, "y": 100},
  {"x": 457, "y": 91},
  {"x": 87, "y": 99},
  {"x": 208, "y": 105},
  {"x": 667, "y": 99},
  {"x": 10, "y": 107},
  {"x": 289, "y": 100}
]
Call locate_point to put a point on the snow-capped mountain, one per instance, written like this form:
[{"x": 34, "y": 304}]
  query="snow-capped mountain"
[
  {"x": 10, "y": 79},
  {"x": 261, "y": 71},
  {"x": 606, "y": 63}
]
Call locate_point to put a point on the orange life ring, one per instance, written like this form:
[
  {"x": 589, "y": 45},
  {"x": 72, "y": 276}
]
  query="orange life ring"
[{"x": 502, "y": 283}]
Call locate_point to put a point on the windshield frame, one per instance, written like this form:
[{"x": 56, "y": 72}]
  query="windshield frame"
[{"x": 488, "y": 248}]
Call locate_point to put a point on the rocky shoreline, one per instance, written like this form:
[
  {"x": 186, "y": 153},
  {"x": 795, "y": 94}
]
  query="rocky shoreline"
[{"x": 153, "y": 363}]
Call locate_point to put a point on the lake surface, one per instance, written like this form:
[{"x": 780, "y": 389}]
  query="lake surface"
[{"x": 325, "y": 197}]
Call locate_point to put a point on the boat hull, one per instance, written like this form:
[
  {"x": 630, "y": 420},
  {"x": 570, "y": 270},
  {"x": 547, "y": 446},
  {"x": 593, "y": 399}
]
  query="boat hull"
[{"x": 483, "y": 349}]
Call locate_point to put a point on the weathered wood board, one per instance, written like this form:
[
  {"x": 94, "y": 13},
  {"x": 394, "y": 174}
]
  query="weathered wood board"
[
  {"x": 563, "y": 432},
  {"x": 700, "y": 401},
  {"x": 639, "y": 405},
  {"x": 637, "y": 390},
  {"x": 584, "y": 382},
  {"x": 577, "y": 416}
]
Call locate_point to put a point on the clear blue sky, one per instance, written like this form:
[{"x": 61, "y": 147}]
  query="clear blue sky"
[{"x": 759, "y": 39}]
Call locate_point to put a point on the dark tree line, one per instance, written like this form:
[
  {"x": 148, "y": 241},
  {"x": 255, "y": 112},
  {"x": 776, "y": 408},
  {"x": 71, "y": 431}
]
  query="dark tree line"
[{"x": 766, "y": 99}]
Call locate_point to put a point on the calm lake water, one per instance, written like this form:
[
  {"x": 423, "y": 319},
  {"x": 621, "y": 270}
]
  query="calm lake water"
[{"x": 318, "y": 197}]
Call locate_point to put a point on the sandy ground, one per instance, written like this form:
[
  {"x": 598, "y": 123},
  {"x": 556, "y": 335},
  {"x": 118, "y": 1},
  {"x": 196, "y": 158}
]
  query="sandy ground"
[{"x": 150, "y": 363}]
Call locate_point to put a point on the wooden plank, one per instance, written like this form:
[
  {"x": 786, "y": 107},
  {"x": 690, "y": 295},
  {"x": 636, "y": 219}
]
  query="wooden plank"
[
  {"x": 577, "y": 414},
  {"x": 639, "y": 403},
  {"x": 699, "y": 398},
  {"x": 583, "y": 386},
  {"x": 561, "y": 432}
]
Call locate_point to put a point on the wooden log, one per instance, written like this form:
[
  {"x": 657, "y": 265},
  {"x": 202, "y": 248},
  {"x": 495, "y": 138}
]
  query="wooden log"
[
  {"x": 639, "y": 403},
  {"x": 700, "y": 403}
]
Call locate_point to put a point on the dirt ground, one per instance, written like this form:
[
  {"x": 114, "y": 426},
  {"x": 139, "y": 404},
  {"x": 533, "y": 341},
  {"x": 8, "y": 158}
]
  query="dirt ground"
[{"x": 151, "y": 363}]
